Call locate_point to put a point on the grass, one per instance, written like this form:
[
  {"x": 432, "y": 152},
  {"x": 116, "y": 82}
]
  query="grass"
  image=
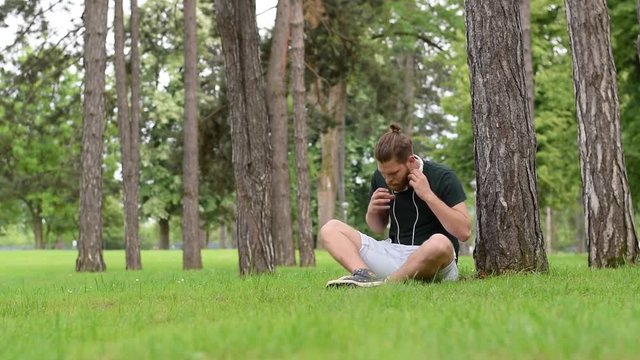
[{"x": 47, "y": 311}]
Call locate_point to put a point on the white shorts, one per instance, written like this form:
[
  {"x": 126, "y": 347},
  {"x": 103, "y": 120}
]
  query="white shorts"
[{"x": 384, "y": 258}]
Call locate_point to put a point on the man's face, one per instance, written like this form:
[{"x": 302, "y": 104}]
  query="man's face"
[{"x": 395, "y": 174}]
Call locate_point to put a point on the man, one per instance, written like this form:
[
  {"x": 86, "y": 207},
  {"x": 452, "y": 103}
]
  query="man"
[{"x": 424, "y": 202}]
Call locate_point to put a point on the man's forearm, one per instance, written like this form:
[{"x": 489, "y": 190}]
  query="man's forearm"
[
  {"x": 454, "y": 220},
  {"x": 377, "y": 222}
]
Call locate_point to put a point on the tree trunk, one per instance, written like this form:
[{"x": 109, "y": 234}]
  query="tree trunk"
[
  {"x": 278, "y": 118},
  {"x": 249, "y": 134},
  {"x": 36, "y": 222},
  {"x": 163, "y": 224},
  {"x": 223, "y": 236},
  {"x": 407, "y": 105},
  {"x": 581, "y": 241},
  {"x": 328, "y": 176},
  {"x": 95, "y": 59},
  {"x": 609, "y": 222},
  {"x": 133, "y": 247},
  {"x": 305, "y": 244},
  {"x": 191, "y": 257},
  {"x": 509, "y": 237},
  {"x": 525, "y": 23},
  {"x": 128, "y": 132},
  {"x": 548, "y": 228}
]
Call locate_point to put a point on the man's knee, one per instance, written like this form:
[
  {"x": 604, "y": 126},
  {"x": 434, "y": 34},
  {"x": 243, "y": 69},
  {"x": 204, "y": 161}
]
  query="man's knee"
[
  {"x": 438, "y": 246},
  {"x": 330, "y": 229}
]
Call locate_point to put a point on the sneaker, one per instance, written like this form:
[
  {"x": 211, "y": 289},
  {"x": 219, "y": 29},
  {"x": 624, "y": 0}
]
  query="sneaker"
[{"x": 359, "y": 278}]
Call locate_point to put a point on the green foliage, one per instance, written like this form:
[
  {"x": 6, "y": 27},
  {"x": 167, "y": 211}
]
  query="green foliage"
[
  {"x": 573, "y": 312},
  {"x": 41, "y": 109}
]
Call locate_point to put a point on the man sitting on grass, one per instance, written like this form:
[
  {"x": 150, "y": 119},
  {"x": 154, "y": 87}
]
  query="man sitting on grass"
[{"x": 424, "y": 202}]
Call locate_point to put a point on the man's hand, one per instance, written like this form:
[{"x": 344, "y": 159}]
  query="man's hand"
[
  {"x": 378, "y": 210},
  {"x": 380, "y": 200},
  {"x": 418, "y": 181}
]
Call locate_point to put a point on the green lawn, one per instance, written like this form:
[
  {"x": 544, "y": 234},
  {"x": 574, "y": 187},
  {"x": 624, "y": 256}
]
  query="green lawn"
[{"x": 47, "y": 311}]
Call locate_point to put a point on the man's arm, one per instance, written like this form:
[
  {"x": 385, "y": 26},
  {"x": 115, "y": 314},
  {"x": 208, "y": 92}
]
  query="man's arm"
[
  {"x": 455, "y": 219},
  {"x": 378, "y": 211}
]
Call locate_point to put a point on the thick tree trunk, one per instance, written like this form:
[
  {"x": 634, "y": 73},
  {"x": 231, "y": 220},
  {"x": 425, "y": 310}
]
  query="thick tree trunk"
[
  {"x": 127, "y": 135},
  {"x": 278, "y": 119},
  {"x": 638, "y": 41},
  {"x": 525, "y": 23},
  {"x": 328, "y": 176},
  {"x": 509, "y": 235},
  {"x": 95, "y": 59},
  {"x": 609, "y": 222},
  {"x": 163, "y": 225},
  {"x": 249, "y": 133},
  {"x": 191, "y": 257},
  {"x": 305, "y": 243}
]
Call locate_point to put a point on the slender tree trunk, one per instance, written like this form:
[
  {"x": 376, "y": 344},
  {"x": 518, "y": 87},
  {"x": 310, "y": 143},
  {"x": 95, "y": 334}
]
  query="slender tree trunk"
[
  {"x": 36, "y": 222},
  {"x": 509, "y": 235},
  {"x": 407, "y": 104},
  {"x": 223, "y": 236},
  {"x": 134, "y": 260},
  {"x": 548, "y": 227},
  {"x": 525, "y": 22},
  {"x": 305, "y": 244},
  {"x": 328, "y": 177},
  {"x": 191, "y": 257},
  {"x": 277, "y": 105},
  {"x": 95, "y": 59},
  {"x": 128, "y": 134},
  {"x": 581, "y": 240},
  {"x": 609, "y": 222},
  {"x": 249, "y": 133},
  {"x": 163, "y": 224}
]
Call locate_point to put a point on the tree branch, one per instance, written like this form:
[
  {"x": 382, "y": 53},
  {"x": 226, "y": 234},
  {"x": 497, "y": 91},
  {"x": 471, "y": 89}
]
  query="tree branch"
[{"x": 417, "y": 35}]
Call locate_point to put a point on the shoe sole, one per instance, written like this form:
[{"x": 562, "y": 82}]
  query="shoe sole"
[{"x": 350, "y": 283}]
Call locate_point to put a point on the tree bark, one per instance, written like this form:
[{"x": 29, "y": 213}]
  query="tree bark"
[
  {"x": 305, "y": 242},
  {"x": 328, "y": 176},
  {"x": 548, "y": 220},
  {"x": 581, "y": 241},
  {"x": 134, "y": 260},
  {"x": 407, "y": 104},
  {"x": 95, "y": 59},
  {"x": 638, "y": 41},
  {"x": 609, "y": 218},
  {"x": 525, "y": 22},
  {"x": 509, "y": 235},
  {"x": 278, "y": 119},
  {"x": 191, "y": 256},
  {"x": 163, "y": 224},
  {"x": 223, "y": 237},
  {"x": 251, "y": 146},
  {"x": 128, "y": 134},
  {"x": 36, "y": 222}
]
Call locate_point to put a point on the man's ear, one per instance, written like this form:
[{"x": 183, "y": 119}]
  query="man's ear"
[{"x": 412, "y": 162}]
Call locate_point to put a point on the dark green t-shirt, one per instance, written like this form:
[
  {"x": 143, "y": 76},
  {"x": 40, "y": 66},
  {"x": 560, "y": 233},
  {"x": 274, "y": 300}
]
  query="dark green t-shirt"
[{"x": 407, "y": 206}]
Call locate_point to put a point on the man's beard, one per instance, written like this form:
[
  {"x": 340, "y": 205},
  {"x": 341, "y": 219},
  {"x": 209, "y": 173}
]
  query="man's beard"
[{"x": 399, "y": 187}]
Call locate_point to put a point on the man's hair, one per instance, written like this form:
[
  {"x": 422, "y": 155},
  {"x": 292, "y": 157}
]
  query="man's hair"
[{"x": 393, "y": 145}]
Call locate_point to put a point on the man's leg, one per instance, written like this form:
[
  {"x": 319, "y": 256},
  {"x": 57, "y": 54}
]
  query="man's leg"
[
  {"x": 343, "y": 243},
  {"x": 433, "y": 255}
]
